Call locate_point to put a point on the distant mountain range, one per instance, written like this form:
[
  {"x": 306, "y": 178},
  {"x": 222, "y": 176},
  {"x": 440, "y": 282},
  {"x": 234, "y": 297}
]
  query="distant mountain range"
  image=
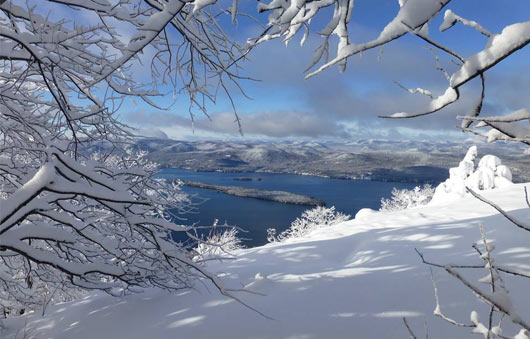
[{"x": 384, "y": 160}]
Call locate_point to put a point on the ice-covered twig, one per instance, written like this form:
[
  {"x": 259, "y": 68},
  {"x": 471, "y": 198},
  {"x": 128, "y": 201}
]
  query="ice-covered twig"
[
  {"x": 415, "y": 90},
  {"x": 493, "y": 276},
  {"x": 518, "y": 115},
  {"x": 430, "y": 263},
  {"x": 496, "y": 266},
  {"x": 438, "y": 65},
  {"x": 438, "y": 310},
  {"x": 490, "y": 299}
]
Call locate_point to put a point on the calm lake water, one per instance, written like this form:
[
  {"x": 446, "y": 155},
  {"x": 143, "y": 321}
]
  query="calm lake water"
[{"x": 255, "y": 216}]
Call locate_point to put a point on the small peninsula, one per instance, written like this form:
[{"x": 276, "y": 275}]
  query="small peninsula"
[{"x": 277, "y": 196}]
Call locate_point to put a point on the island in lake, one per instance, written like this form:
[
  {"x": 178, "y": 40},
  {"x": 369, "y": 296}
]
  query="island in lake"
[
  {"x": 277, "y": 196},
  {"x": 247, "y": 179}
]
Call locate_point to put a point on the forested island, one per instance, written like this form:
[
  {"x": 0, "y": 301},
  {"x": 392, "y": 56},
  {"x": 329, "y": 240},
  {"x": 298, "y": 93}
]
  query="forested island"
[{"x": 277, "y": 196}]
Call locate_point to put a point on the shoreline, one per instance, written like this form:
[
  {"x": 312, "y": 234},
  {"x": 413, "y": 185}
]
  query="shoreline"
[{"x": 325, "y": 176}]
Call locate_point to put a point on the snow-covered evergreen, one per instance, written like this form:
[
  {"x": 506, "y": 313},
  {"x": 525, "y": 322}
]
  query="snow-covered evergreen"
[{"x": 489, "y": 173}]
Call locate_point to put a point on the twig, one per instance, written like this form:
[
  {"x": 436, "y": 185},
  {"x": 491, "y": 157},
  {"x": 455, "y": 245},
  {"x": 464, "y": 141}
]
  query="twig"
[
  {"x": 501, "y": 211},
  {"x": 438, "y": 312},
  {"x": 412, "y": 335}
]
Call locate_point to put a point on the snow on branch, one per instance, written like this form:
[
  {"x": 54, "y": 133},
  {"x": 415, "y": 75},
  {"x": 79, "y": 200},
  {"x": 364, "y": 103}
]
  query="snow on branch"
[
  {"x": 413, "y": 13},
  {"x": 111, "y": 235},
  {"x": 500, "y": 46},
  {"x": 518, "y": 115},
  {"x": 450, "y": 19},
  {"x": 511, "y": 39}
]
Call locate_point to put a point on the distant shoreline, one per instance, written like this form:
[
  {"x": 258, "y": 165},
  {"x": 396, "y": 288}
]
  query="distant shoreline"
[
  {"x": 325, "y": 176},
  {"x": 283, "y": 197}
]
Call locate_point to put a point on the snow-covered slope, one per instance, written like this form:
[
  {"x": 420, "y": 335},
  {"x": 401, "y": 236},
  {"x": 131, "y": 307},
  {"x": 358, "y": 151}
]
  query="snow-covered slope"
[{"x": 356, "y": 279}]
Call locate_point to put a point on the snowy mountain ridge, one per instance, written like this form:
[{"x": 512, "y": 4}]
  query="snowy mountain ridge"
[{"x": 384, "y": 160}]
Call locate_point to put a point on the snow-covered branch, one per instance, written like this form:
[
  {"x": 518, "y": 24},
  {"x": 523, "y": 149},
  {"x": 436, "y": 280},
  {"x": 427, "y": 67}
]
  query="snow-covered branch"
[{"x": 287, "y": 18}]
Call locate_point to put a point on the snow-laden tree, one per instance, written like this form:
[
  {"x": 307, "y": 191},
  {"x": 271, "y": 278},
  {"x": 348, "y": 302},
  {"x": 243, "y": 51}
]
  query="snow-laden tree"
[
  {"x": 309, "y": 221},
  {"x": 403, "y": 198},
  {"x": 487, "y": 174},
  {"x": 220, "y": 242},
  {"x": 69, "y": 220}
]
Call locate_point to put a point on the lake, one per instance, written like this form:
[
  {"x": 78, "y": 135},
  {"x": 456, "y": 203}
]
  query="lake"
[{"x": 255, "y": 216}]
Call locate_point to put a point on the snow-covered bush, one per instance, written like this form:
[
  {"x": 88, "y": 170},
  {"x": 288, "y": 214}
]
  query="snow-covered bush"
[
  {"x": 404, "y": 198},
  {"x": 271, "y": 235},
  {"x": 309, "y": 221},
  {"x": 220, "y": 242},
  {"x": 490, "y": 173}
]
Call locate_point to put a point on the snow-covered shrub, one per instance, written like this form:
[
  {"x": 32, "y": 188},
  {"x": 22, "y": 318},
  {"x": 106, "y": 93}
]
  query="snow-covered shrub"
[
  {"x": 271, "y": 235},
  {"x": 220, "y": 242},
  {"x": 403, "y": 199},
  {"x": 309, "y": 220},
  {"x": 490, "y": 173}
]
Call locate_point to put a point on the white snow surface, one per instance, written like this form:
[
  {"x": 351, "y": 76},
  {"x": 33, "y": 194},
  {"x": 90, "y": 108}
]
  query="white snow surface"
[{"x": 356, "y": 279}]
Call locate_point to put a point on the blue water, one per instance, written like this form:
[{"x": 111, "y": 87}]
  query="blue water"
[{"x": 255, "y": 216}]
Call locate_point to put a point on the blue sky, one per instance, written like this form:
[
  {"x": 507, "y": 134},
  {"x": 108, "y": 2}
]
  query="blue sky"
[{"x": 337, "y": 105}]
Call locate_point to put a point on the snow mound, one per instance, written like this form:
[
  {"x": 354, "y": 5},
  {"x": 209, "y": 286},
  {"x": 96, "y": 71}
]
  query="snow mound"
[
  {"x": 489, "y": 174},
  {"x": 364, "y": 212}
]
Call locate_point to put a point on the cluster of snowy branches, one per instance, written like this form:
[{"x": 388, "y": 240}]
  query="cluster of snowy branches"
[
  {"x": 88, "y": 224},
  {"x": 404, "y": 198},
  {"x": 309, "y": 221},
  {"x": 220, "y": 242},
  {"x": 414, "y": 17}
]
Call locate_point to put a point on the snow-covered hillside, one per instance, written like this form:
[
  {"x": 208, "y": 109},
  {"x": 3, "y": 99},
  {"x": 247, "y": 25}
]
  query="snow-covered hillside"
[
  {"x": 385, "y": 160},
  {"x": 356, "y": 279}
]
